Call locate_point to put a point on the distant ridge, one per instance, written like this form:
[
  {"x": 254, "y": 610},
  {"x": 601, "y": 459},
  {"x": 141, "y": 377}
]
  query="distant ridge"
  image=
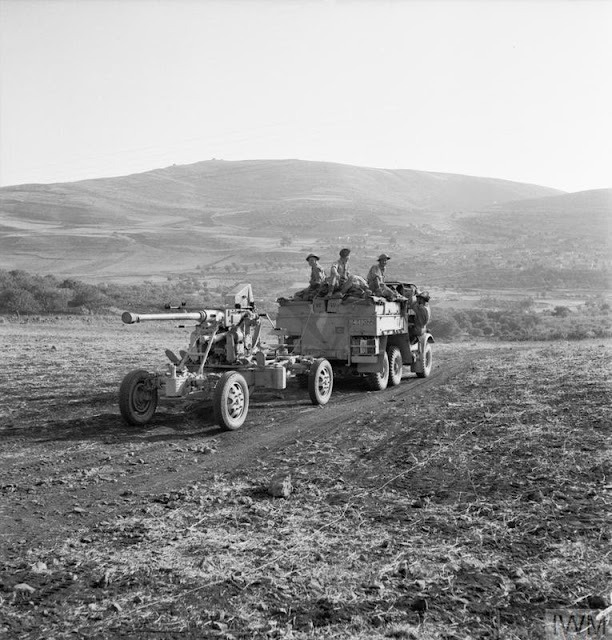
[
  {"x": 585, "y": 214},
  {"x": 252, "y": 182}
]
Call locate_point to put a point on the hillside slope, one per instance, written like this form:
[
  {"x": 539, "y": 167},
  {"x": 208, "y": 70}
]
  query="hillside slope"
[
  {"x": 231, "y": 221},
  {"x": 173, "y": 219},
  {"x": 586, "y": 214},
  {"x": 544, "y": 244},
  {"x": 297, "y": 184}
]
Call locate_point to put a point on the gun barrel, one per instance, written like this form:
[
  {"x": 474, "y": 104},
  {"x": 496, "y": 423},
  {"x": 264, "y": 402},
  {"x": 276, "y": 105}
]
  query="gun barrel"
[{"x": 200, "y": 316}]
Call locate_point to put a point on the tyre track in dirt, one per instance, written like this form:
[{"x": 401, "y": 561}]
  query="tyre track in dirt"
[{"x": 241, "y": 448}]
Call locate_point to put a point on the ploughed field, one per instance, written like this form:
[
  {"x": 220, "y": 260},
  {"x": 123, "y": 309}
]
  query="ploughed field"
[{"x": 462, "y": 505}]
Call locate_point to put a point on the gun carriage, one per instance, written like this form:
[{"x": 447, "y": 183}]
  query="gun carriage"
[{"x": 224, "y": 361}]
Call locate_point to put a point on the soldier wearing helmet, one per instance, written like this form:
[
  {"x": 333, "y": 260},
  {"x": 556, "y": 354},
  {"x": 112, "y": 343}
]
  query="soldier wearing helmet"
[
  {"x": 339, "y": 280},
  {"x": 376, "y": 279},
  {"x": 422, "y": 313},
  {"x": 317, "y": 278}
]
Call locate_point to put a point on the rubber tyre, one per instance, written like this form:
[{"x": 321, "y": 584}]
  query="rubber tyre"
[
  {"x": 395, "y": 365},
  {"x": 231, "y": 400},
  {"x": 379, "y": 381},
  {"x": 137, "y": 397},
  {"x": 427, "y": 361},
  {"x": 320, "y": 381}
]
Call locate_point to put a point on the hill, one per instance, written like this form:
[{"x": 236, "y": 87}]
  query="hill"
[
  {"x": 586, "y": 214},
  {"x": 226, "y": 220},
  {"x": 558, "y": 241},
  {"x": 181, "y": 216}
]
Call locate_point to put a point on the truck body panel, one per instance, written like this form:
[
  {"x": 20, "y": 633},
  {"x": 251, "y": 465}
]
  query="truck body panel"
[{"x": 354, "y": 332}]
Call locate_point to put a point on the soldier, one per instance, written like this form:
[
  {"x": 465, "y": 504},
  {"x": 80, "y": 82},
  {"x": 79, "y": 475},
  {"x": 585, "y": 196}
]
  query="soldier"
[
  {"x": 339, "y": 280},
  {"x": 376, "y": 280},
  {"x": 422, "y": 312},
  {"x": 317, "y": 278}
]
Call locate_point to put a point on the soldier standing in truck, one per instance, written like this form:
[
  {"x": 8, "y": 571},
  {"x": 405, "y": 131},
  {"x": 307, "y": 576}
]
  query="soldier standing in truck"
[{"x": 422, "y": 313}]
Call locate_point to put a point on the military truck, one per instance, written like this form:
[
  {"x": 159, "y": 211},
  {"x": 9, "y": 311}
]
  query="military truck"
[{"x": 369, "y": 337}]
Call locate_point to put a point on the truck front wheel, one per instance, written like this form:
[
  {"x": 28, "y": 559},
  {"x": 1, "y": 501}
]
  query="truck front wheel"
[
  {"x": 379, "y": 381},
  {"x": 427, "y": 361},
  {"x": 320, "y": 381},
  {"x": 395, "y": 365},
  {"x": 231, "y": 400}
]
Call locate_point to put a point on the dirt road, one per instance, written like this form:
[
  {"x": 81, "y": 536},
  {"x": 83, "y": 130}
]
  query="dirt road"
[{"x": 68, "y": 448}]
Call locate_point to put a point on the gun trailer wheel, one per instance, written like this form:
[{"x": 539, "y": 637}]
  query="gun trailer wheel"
[
  {"x": 138, "y": 397},
  {"x": 320, "y": 381},
  {"x": 231, "y": 400}
]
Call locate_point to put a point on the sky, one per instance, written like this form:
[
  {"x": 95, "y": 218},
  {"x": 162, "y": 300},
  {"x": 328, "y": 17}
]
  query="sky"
[{"x": 517, "y": 90}]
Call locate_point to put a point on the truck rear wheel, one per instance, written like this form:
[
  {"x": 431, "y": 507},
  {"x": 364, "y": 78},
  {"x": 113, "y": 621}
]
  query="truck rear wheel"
[
  {"x": 379, "y": 381},
  {"x": 395, "y": 365},
  {"x": 231, "y": 400},
  {"x": 425, "y": 367},
  {"x": 138, "y": 397},
  {"x": 320, "y": 381}
]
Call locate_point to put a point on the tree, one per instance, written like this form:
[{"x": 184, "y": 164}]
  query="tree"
[
  {"x": 561, "y": 312},
  {"x": 444, "y": 325},
  {"x": 87, "y": 295},
  {"x": 19, "y": 301},
  {"x": 53, "y": 300}
]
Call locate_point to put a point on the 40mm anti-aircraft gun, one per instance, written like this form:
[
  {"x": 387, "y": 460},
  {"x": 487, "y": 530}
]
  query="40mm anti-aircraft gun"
[{"x": 224, "y": 361}]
